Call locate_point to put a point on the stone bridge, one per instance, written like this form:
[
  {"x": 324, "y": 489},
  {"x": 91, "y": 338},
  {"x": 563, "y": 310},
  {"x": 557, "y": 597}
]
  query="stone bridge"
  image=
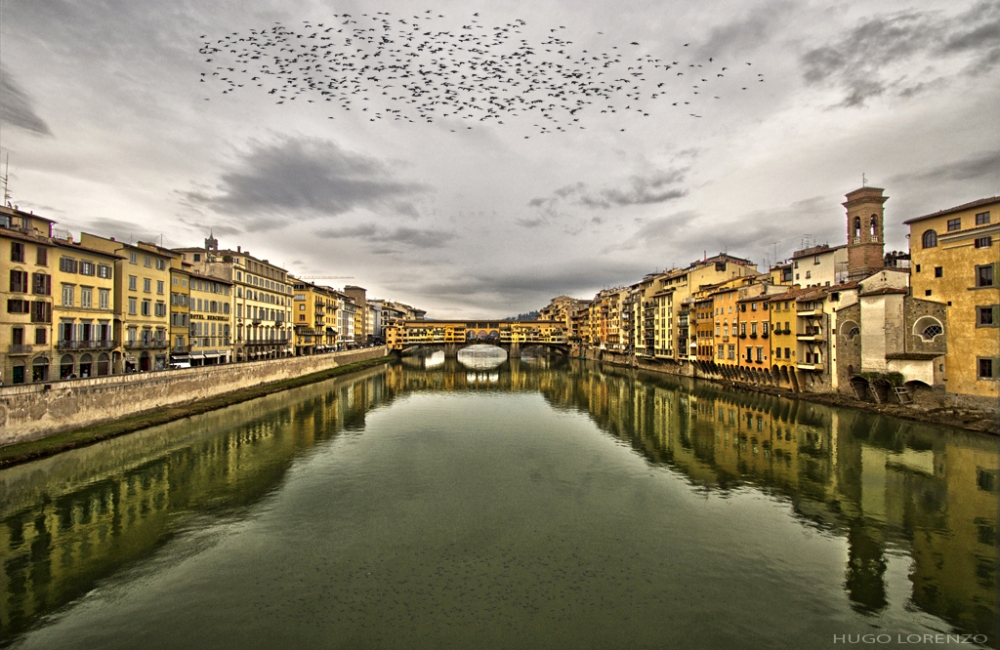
[{"x": 452, "y": 336}]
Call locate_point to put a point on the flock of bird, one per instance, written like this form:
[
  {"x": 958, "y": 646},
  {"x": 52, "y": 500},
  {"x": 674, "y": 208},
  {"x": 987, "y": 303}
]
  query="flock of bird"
[{"x": 408, "y": 68}]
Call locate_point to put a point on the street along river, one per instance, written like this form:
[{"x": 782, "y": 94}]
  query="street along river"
[{"x": 537, "y": 504}]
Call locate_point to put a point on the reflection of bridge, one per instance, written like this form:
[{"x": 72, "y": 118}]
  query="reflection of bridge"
[{"x": 512, "y": 336}]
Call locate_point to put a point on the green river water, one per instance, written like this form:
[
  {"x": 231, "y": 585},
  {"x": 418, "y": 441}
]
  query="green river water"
[{"x": 544, "y": 503}]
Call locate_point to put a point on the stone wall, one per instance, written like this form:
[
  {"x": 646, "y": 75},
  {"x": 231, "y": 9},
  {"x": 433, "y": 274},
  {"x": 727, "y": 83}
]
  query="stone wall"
[{"x": 32, "y": 411}]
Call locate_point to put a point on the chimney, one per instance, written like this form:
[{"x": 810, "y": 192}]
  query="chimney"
[{"x": 238, "y": 250}]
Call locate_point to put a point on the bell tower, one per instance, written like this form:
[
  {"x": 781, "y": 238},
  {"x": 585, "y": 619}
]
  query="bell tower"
[{"x": 865, "y": 232}]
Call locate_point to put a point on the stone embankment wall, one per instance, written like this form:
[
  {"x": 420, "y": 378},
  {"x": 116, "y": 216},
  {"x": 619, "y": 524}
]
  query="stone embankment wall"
[{"x": 33, "y": 411}]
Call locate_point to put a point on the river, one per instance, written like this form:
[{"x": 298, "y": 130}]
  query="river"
[{"x": 541, "y": 503}]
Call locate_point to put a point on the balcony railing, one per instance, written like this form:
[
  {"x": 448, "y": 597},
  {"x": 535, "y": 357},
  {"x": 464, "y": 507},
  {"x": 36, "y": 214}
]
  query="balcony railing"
[
  {"x": 19, "y": 348},
  {"x": 85, "y": 345},
  {"x": 145, "y": 345}
]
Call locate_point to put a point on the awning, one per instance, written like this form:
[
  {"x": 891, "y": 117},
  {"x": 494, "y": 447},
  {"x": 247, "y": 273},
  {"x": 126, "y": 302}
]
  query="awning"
[{"x": 197, "y": 355}]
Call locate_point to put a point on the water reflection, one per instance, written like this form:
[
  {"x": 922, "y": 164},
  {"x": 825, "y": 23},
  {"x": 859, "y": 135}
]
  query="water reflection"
[
  {"x": 887, "y": 488},
  {"x": 482, "y": 357}
]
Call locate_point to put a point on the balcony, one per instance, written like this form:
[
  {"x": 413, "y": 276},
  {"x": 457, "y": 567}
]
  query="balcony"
[
  {"x": 19, "y": 348},
  {"x": 817, "y": 366},
  {"x": 810, "y": 334},
  {"x": 85, "y": 345},
  {"x": 152, "y": 344}
]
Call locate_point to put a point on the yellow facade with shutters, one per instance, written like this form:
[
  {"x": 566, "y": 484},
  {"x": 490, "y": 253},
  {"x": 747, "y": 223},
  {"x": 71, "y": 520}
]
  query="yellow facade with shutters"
[
  {"x": 83, "y": 311},
  {"x": 142, "y": 314},
  {"x": 26, "y": 253},
  {"x": 955, "y": 260}
]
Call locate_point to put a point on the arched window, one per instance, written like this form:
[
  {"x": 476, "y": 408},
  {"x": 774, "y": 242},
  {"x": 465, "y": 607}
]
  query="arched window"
[
  {"x": 873, "y": 226},
  {"x": 65, "y": 366},
  {"x": 929, "y": 239},
  {"x": 103, "y": 365},
  {"x": 928, "y": 328},
  {"x": 849, "y": 330},
  {"x": 857, "y": 227}
]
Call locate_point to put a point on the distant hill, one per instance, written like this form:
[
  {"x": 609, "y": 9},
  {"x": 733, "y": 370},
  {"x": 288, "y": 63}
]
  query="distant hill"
[{"x": 531, "y": 315}]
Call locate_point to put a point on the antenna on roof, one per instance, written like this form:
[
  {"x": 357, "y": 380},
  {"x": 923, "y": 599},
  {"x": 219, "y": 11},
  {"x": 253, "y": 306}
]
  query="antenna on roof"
[
  {"x": 6, "y": 191},
  {"x": 863, "y": 180}
]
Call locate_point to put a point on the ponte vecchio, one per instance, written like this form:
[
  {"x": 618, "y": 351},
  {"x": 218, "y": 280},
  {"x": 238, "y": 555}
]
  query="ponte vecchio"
[{"x": 451, "y": 336}]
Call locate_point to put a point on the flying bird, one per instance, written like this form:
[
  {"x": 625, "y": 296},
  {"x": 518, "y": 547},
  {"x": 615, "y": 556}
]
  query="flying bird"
[{"x": 424, "y": 69}]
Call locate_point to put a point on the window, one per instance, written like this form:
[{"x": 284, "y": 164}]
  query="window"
[
  {"x": 68, "y": 265},
  {"x": 103, "y": 271},
  {"x": 147, "y": 260},
  {"x": 929, "y": 239},
  {"x": 133, "y": 258},
  {"x": 938, "y": 272},
  {"x": 132, "y": 306},
  {"x": 133, "y": 283},
  {"x": 788, "y": 353},
  {"x": 41, "y": 284},
  {"x": 16, "y": 252},
  {"x": 159, "y": 287},
  {"x": 808, "y": 275},
  {"x": 982, "y": 218},
  {"x": 67, "y": 294},
  {"x": 161, "y": 309},
  {"x": 988, "y": 316},
  {"x": 146, "y": 308},
  {"x": 42, "y": 256},
  {"x": 104, "y": 298},
  {"x": 931, "y": 331},
  {"x": 760, "y": 354},
  {"x": 984, "y": 275},
  {"x": 18, "y": 306},
  {"x": 160, "y": 265},
  {"x": 41, "y": 336},
  {"x": 954, "y": 224},
  {"x": 197, "y": 257},
  {"x": 985, "y": 368},
  {"x": 86, "y": 268},
  {"x": 87, "y": 297},
  {"x": 147, "y": 285},
  {"x": 984, "y": 242}
]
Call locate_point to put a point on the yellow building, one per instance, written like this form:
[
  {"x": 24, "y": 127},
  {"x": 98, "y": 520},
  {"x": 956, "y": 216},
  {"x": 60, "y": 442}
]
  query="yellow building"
[
  {"x": 83, "y": 311},
  {"x": 142, "y": 318},
  {"x": 955, "y": 260},
  {"x": 262, "y": 299},
  {"x": 26, "y": 253},
  {"x": 726, "y": 325},
  {"x": 211, "y": 320},
  {"x": 314, "y": 313},
  {"x": 180, "y": 312}
]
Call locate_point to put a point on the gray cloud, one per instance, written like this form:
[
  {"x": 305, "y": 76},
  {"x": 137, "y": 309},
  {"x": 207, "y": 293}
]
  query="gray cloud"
[
  {"x": 17, "y": 108},
  {"x": 747, "y": 32},
  {"x": 687, "y": 235},
  {"x": 533, "y": 287},
  {"x": 859, "y": 61},
  {"x": 297, "y": 176},
  {"x": 640, "y": 190},
  {"x": 127, "y": 231},
  {"x": 984, "y": 164},
  {"x": 406, "y": 236}
]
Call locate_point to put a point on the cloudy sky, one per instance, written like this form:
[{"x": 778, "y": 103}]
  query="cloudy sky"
[{"x": 110, "y": 128}]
